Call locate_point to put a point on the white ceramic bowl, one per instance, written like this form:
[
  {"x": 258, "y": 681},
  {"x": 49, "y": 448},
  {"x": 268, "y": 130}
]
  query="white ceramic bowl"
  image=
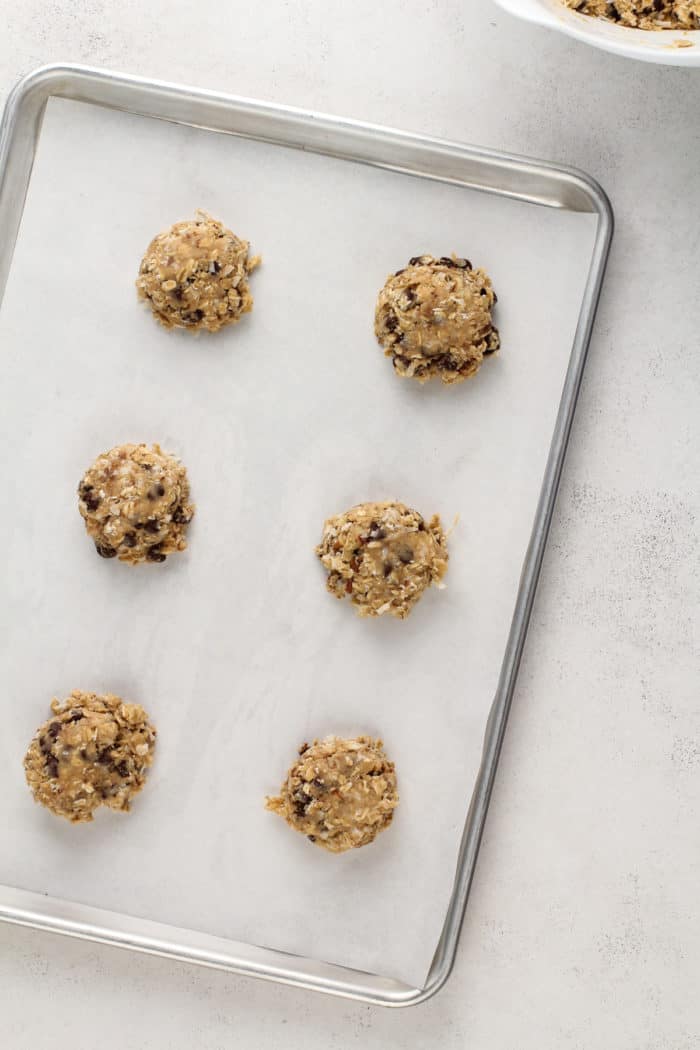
[{"x": 667, "y": 47}]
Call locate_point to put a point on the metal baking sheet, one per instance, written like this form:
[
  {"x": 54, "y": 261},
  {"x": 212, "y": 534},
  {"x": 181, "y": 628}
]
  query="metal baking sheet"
[{"x": 235, "y": 648}]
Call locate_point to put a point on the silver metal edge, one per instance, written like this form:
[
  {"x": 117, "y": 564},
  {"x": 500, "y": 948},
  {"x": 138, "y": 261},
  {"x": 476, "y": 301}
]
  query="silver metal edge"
[
  {"x": 36, "y": 911},
  {"x": 534, "y": 182},
  {"x": 498, "y": 718}
]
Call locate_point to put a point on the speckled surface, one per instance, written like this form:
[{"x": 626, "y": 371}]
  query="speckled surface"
[{"x": 584, "y": 926}]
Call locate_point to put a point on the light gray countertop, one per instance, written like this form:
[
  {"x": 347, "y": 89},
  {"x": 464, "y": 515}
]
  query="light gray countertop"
[{"x": 583, "y": 928}]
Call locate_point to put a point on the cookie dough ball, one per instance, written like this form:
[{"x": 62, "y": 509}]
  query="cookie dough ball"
[
  {"x": 135, "y": 500},
  {"x": 433, "y": 319},
  {"x": 339, "y": 793},
  {"x": 382, "y": 556},
  {"x": 93, "y": 752},
  {"x": 195, "y": 275},
  {"x": 643, "y": 14}
]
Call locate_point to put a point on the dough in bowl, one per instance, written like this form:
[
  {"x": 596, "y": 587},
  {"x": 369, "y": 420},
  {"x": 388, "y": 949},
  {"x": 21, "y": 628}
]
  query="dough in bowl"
[{"x": 642, "y": 14}]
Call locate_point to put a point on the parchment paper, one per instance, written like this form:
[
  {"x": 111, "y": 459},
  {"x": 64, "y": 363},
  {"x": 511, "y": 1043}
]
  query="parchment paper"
[{"x": 235, "y": 648}]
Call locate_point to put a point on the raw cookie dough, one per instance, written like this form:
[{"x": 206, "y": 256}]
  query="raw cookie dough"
[
  {"x": 195, "y": 275},
  {"x": 339, "y": 793},
  {"x": 643, "y": 14},
  {"x": 94, "y": 752},
  {"x": 383, "y": 556},
  {"x": 135, "y": 500},
  {"x": 433, "y": 318}
]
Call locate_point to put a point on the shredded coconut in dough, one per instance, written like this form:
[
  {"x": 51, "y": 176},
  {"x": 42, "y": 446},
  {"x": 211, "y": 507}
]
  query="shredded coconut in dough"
[
  {"x": 382, "y": 556},
  {"x": 433, "y": 318},
  {"x": 195, "y": 275},
  {"x": 339, "y": 793},
  {"x": 93, "y": 752},
  {"x": 643, "y": 14},
  {"x": 136, "y": 503}
]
